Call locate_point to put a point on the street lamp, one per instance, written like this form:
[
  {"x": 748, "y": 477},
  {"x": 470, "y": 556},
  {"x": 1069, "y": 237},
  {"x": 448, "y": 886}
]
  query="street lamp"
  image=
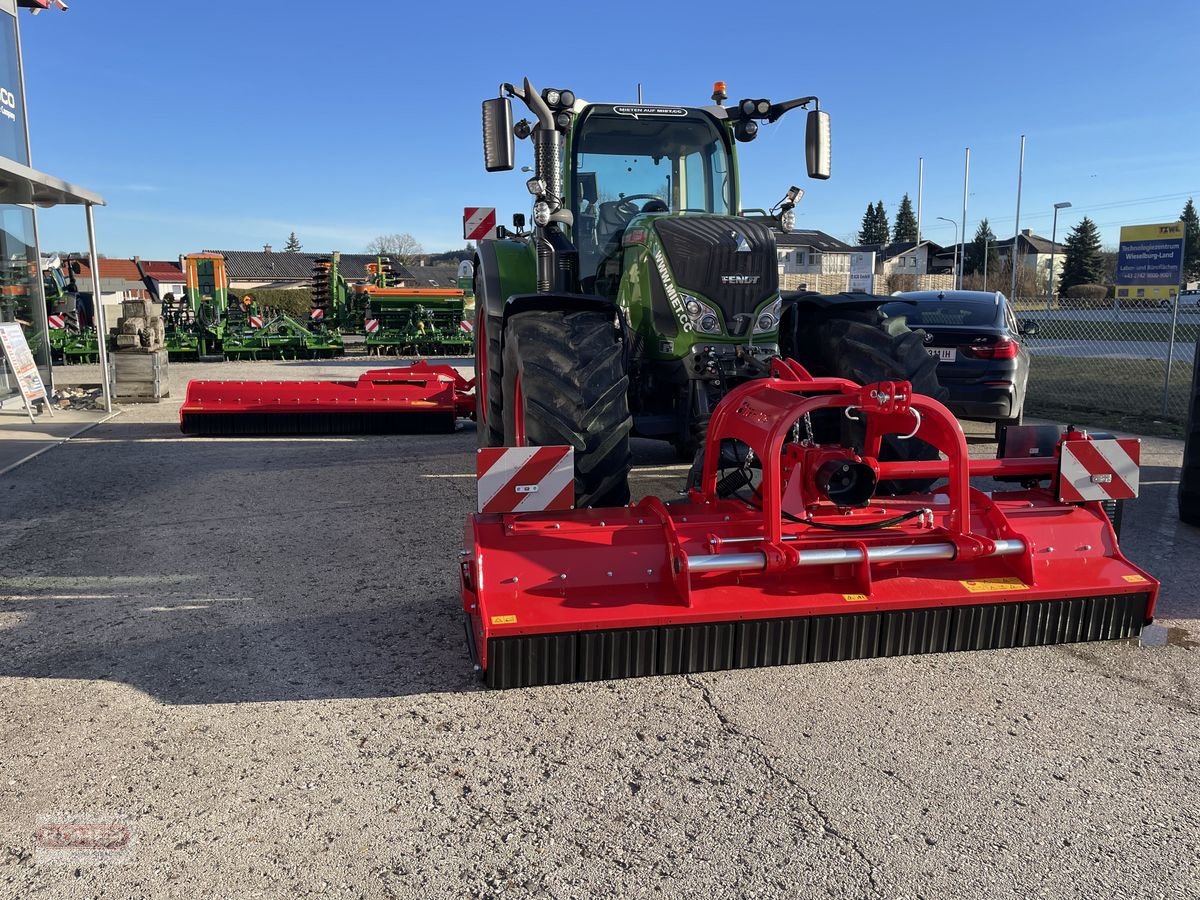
[
  {"x": 955, "y": 224},
  {"x": 1053, "y": 235}
]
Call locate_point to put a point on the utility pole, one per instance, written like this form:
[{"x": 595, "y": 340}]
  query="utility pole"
[
  {"x": 1012, "y": 255},
  {"x": 966, "y": 178},
  {"x": 1053, "y": 236},
  {"x": 920, "y": 191}
]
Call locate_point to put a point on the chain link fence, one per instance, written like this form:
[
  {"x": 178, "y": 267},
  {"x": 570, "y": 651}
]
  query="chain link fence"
[{"x": 1123, "y": 367}]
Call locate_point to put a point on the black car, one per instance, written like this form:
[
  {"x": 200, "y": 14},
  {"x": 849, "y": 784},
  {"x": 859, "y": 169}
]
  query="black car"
[{"x": 975, "y": 337}]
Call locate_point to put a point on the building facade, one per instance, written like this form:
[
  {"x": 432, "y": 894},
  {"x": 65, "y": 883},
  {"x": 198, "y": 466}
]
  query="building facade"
[{"x": 21, "y": 295}]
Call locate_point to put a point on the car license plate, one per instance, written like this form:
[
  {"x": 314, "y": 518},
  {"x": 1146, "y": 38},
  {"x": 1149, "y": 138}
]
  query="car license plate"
[{"x": 943, "y": 354}]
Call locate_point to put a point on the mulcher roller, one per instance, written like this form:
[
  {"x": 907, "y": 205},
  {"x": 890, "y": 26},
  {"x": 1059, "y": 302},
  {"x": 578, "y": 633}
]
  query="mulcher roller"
[{"x": 798, "y": 561}]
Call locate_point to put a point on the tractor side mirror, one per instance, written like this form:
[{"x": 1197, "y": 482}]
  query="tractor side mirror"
[
  {"x": 1030, "y": 327},
  {"x": 498, "y": 152},
  {"x": 588, "y": 189},
  {"x": 816, "y": 144}
]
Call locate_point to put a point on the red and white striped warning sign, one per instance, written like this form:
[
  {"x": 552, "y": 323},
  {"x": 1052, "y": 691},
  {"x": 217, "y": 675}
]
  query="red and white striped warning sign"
[
  {"x": 371, "y": 325},
  {"x": 479, "y": 222},
  {"x": 1099, "y": 470},
  {"x": 466, "y": 326},
  {"x": 255, "y": 321},
  {"x": 57, "y": 321},
  {"x": 525, "y": 479},
  {"x": 317, "y": 315}
]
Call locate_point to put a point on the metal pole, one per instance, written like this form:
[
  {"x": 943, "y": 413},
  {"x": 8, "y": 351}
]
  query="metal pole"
[
  {"x": 98, "y": 305},
  {"x": 920, "y": 192},
  {"x": 1012, "y": 255},
  {"x": 966, "y": 178},
  {"x": 985, "y": 256},
  {"x": 1171, "y": 345},
  {"x": 955, "y": 224},
  {"x": 1053, "y": 238}
]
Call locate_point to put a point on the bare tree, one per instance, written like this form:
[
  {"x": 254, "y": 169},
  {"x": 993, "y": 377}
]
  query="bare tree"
[{"x": 400, "y": 248}]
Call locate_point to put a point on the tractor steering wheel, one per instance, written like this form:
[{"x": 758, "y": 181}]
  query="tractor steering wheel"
[{"x": 626, "y": 206}]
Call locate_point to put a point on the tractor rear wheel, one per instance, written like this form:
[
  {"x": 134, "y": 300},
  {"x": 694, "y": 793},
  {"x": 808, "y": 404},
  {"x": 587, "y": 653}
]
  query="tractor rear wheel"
[
  {"x": 565, "y": 384},
  {"x": 864, "y": 346},
  {"x": 489, "y": 388}
]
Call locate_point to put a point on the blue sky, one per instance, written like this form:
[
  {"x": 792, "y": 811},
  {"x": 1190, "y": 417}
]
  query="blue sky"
[{"x": 228, "y": 124}]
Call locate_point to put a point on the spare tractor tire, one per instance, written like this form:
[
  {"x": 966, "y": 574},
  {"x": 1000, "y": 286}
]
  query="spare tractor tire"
[
  {"x": 565, "y": 383},
  {"x": 864, "y": 346}
]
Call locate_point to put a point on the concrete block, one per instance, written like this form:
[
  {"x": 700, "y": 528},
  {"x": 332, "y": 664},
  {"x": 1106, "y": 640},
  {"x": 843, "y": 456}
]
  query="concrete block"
[{"x": 128, "y": 342}]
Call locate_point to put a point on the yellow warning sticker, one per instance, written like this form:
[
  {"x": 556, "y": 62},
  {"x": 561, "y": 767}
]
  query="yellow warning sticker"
[
  {"x": 1136, "y": 579},
  {"x": 504, "y": 620},
  {"x": 855, "y": 598},
  {"x": 995, "y": 585}
]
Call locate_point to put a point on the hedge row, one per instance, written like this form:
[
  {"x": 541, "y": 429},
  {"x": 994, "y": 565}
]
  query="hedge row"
[{"x": 296, "y": 302}]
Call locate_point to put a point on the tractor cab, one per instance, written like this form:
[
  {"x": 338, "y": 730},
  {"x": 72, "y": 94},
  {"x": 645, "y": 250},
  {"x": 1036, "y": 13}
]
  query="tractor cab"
[{"x": 633, "y": 160}]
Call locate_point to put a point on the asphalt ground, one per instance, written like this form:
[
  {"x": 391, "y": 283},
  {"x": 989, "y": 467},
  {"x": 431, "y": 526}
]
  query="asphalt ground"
[{"x": 248, "y": 655}]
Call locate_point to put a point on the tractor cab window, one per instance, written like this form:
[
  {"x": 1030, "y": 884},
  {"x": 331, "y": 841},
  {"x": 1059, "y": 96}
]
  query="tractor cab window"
[{"x": 626, "y": 165}]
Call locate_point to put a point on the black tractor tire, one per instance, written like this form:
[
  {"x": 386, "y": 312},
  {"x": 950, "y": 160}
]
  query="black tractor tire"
[
  {"x": 864, "y": 346},
  {"x": 489, "y": 386},
  {"x": 574, "y": 390}
]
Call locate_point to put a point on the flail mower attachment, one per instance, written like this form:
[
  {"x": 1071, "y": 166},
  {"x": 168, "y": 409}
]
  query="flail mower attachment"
[
  {"x": 791, "y": 558},
  {"x": 418, "y": 399}
]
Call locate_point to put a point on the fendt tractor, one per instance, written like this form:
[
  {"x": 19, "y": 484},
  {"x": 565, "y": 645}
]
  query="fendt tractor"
[
  {"x": 645, "y": 301},
  {"x": 643, "y": 292}
]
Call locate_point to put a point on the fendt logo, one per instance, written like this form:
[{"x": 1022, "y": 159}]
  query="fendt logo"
[
  {"x": 8, "y": 104},
  {"x": 739, "y": 279}
]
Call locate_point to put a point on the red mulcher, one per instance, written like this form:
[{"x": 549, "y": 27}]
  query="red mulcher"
[
  {"x": 791, "y": 558},
  {"x": 414, "y": 399}
]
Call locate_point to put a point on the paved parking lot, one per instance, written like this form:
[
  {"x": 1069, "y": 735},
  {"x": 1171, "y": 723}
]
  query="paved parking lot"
[{"x": 249, "y": 653}]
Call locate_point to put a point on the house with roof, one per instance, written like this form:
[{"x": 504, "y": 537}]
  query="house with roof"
[
  {"x": 903, "y": 257},
  {"x": 812, "y": 252},
  {"x": 1034, "y": 253},
  {"x": 121, "y": 276},
  {"x": 258, "y": 269}
]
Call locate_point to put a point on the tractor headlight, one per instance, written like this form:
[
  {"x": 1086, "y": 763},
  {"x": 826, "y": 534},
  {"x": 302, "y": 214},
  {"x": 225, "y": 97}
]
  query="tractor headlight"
[
  {"x": 768, "y": 319},
  {"x": 541, "y": 213},
  {"x": 708, "y": 324},
  {"x": 692, "y": 307},
  {"x": 553, "y": 97},
  {"x": 787, "y": 220}
]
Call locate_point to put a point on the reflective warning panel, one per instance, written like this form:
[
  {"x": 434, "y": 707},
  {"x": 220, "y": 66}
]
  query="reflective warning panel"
[
  {"x": 1099, "y": 470},
  {"x": 525, "y": 479}
]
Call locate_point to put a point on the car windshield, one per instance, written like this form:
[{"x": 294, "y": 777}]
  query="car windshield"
[
  {"x": 948, "y": 313},
  {"x": 626, "y": 164}
]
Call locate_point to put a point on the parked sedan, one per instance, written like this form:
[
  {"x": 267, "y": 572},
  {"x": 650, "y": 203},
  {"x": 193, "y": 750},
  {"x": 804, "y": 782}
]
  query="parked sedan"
[{"x": 975, "y": 337}]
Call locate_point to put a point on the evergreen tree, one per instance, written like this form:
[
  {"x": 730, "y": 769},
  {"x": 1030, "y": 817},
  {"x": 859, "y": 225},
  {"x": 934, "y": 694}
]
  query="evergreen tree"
[
  {"x": 866, "y": 234},
  {"x": 293, "y": 244},
  {"x": 1191, "y": 242},
  {"x": 1083, "y": 261},
  {"x": 881, "y": 223},
  {"x": 906, "y": 222},
  {"x": 984, "y": 242}
]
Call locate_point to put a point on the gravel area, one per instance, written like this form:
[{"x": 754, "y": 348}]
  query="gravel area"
[{"x": 249, "y": 654}]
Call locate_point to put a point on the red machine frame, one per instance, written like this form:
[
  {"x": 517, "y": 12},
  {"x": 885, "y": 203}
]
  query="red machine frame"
[{"x": 726, "y": 560}]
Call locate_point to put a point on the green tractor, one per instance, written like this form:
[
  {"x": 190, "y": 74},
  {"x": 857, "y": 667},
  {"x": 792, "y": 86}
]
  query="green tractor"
[{"x": 643, "y": 292}]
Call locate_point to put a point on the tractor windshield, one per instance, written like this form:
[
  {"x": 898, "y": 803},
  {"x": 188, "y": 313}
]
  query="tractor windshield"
[{"x": 626, "y": 164}]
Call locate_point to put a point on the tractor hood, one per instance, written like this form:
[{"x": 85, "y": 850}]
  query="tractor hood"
[{"x": 730, "y": 261}]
